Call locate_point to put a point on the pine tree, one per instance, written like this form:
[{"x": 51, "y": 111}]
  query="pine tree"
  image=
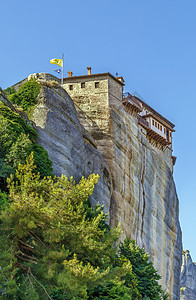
[{"x": 53, "y": 239}]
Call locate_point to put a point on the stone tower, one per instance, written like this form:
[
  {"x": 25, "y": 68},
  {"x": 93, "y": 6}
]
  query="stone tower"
[{"x": 93, "y": 95}]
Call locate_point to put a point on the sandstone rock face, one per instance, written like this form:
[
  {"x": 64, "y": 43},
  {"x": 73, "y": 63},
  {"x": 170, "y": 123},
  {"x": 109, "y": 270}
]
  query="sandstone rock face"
[
  {"x": 69, "y": 146},
  {"x": 144, "y": 197},
  {"x": 188, "y": 277},
  {"x": 136, "y": 184}
]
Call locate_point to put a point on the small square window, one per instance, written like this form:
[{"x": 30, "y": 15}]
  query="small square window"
[
  {"x": 96, "y": 85},
  {"x": 82, "y": 85},
  {"x": 70, "y": 87}
]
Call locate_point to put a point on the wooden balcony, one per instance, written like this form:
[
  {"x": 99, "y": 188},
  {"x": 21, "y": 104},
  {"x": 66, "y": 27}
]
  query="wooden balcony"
[
  {"x": 157, "y": 137},
  {"x": 151, "y": 134}
]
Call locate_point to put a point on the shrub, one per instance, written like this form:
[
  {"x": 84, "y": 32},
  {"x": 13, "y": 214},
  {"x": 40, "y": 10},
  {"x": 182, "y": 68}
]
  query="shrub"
[
  {"x": 17, "y": 141},
  {"x": 26, "y": 96}
]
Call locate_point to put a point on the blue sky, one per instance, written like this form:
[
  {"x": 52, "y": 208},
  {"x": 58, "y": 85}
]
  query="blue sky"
[{"x": 150, "y": 43}]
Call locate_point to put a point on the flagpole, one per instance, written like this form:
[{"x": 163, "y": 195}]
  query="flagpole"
[{"x": 62, "y": 71}]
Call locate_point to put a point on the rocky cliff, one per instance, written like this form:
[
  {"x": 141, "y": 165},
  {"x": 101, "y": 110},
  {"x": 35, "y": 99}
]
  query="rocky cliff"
[
  {"x": 144, "y": 198},
  {"x": 70, "y": 147},
  {"x": 187, "y": 277},
  {"x": 136, "y": 183}
]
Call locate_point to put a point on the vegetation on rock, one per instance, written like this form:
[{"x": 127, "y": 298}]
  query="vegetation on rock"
[
  {"x": 26, "y": 96},
  {"x": 17, "y": 141},
  {"x": 54, "y": 245}
]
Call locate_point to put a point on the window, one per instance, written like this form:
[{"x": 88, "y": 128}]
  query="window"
[
  {"x": 70, "y": 87},
  {"x": 164, "y": 130},
  {"x": 82, "y": 85},
  {"x": 161, "y": 127},
  {"x": 156, "y": 124},
  {"x": 96, "y": 85},
  {"x": 153, "y": 122}
]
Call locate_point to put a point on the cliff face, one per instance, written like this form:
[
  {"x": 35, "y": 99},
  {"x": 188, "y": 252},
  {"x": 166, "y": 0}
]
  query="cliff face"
[
  {"x": 71, "y": 149},
  {"x": 144, "y": 198},
  {"x": 136, "y": 184},
  {"x": 187, "y": 277}
]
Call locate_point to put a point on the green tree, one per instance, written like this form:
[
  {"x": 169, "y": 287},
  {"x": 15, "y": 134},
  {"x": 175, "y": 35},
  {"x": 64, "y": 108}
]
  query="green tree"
[
  {"x": 52, "y": 240},
  {"x": 143, "y": 270},
  {"x": 112, "y": 290}
]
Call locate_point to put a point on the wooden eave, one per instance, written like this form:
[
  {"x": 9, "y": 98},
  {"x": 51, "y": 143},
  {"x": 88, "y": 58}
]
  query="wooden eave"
[
  {"x": 158, "y": 116},
  {"x": 133, "y": 106},
  {"x": 92, "y": 76},
  {"x": 160, "y": 120}
]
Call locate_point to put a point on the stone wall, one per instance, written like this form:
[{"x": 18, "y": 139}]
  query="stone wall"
[{"x": 92, "y": 105}]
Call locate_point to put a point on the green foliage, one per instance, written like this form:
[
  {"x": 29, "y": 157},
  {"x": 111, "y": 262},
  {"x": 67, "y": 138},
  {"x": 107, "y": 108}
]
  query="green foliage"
[
  {"x": 26, "y": 96},
  {"x": 17, "y": 141},
  {"x": 113, "y": 290},
  {"x": 52, "y": 239},
  {"x": 11, "y": 126},
  {"x": 143, "y": 270},
  {"x": 9, "y": 91},
  {"x": 19, "y": 150},
  {"x": 4, "y": 200}
]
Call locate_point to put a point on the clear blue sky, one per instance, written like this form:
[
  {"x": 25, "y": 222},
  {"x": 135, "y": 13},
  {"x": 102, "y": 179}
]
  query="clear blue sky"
[{"x": 150, "y": 43}]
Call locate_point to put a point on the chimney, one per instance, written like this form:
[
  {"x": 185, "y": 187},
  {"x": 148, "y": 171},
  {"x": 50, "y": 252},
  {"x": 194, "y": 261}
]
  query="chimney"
[
  {"x": 89, "y": 70},
  {"x": 69, "y": 73}
]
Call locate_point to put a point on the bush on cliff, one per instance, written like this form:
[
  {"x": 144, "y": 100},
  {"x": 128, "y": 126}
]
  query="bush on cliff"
[
  {"x": 17, "y": 141},
  {"x": 26, "y": 96}
]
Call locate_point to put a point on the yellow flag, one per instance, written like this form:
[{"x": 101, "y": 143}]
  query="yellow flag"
[{"x": 57, "y": 61}]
